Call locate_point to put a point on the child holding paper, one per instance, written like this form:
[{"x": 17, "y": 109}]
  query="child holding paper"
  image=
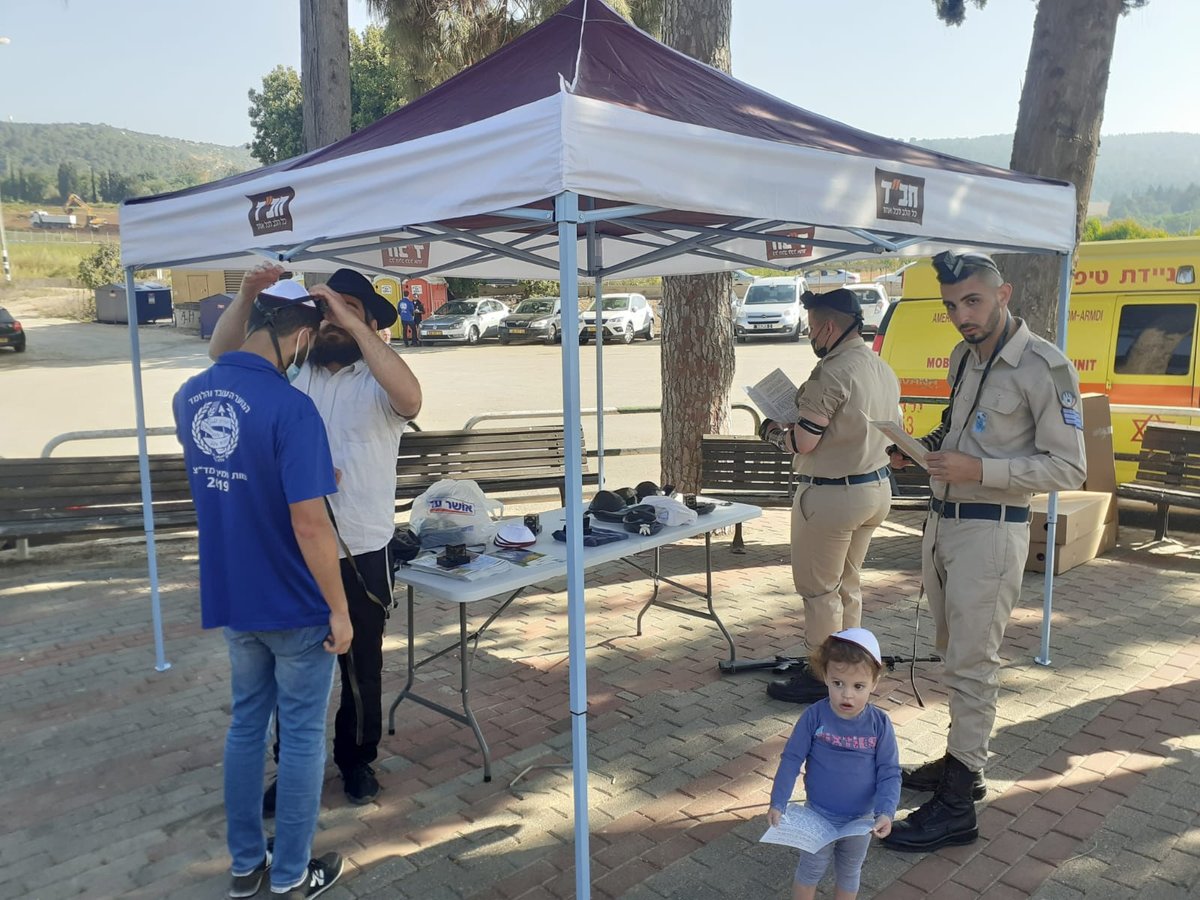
[{"x": 851, "y": 764}]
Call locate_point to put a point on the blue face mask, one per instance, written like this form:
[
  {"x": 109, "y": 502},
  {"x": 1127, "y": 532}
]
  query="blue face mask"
[{"x": 293, "y": 371}]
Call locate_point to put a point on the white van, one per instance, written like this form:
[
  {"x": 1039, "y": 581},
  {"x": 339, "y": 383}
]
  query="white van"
[{"x": 772, "y": 308}]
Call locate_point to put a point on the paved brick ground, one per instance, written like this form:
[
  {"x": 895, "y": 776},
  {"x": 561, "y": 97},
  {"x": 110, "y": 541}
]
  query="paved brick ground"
[{"x": 112, "y": 783}]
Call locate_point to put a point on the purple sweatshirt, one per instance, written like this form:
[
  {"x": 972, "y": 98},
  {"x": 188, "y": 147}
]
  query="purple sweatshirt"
[{"x": 851, "y": 766}]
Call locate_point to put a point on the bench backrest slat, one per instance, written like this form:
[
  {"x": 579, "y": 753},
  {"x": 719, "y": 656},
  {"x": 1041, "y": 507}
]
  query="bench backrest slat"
[{"x": 1170, "y": 456}]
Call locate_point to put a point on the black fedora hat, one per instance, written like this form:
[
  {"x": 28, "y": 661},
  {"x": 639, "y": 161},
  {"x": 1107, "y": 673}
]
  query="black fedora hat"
[{"x": 357, "y": 285}]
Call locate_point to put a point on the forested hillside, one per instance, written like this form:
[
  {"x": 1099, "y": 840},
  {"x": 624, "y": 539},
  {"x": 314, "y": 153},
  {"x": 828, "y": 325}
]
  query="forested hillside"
[
  {"x": 100, "y": 162},
  {"x": 1128, "y": 163}
]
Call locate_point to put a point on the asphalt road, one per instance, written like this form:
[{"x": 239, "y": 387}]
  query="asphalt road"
[{"x": 77, "y": 376}]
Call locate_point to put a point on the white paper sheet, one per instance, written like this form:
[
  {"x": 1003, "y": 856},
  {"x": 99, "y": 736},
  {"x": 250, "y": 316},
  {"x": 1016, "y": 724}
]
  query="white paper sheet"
[
  {"x": 775, "y": 397},
  {"x": 808, "y": 830},
  {"x": 909, "y": 445}
]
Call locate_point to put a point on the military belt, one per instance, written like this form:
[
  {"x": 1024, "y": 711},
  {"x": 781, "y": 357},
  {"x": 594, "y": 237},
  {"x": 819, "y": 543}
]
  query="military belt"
[
  {"x": 992, "y": 512},
  {"x": 866, "y": 478}
]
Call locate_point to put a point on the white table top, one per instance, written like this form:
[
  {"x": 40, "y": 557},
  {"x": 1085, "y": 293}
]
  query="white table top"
[{"x": 514, "y": 577}]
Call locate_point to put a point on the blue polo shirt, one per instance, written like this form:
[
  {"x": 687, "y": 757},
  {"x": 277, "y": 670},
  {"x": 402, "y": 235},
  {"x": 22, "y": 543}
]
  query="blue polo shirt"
[{"x": 252, "y": 445}]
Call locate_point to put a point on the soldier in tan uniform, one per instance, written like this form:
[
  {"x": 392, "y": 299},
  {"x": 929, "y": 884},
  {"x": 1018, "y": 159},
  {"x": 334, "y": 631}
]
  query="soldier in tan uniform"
[
  {"x": 844, "y": 492},
  {"x": 1013, "y": 426}
]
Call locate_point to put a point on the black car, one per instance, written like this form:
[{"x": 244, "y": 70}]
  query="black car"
[
  {"x": 535, "y": 319},
  {"x": 11, "y": 333}
]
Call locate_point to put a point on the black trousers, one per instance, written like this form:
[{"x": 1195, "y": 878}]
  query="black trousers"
[{"x": 367, "y": 618}]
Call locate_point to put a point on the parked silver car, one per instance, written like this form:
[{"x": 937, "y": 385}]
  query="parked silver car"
[
  {"x": 535, "y": 319},
  {"x": 465, "y": 320}
]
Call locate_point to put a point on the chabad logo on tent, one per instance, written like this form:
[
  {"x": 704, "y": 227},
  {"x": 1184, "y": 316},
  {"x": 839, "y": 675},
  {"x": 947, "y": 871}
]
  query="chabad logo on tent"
[
  {"x": 270, "y": 211},
  {"x": 899, "y": 197}
]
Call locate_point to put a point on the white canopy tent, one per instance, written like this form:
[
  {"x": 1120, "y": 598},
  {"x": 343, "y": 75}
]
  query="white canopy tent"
[{"x": 586, "y": 148}]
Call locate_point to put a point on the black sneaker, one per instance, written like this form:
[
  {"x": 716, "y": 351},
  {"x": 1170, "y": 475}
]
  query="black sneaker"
[
  {"x": 320, "y": 877},
  {"x": 269, "y": 800},
  {"x": 248, "y": 885},
  {"x": 802, "y": 688},
  {"x": 361, "y": 784}
]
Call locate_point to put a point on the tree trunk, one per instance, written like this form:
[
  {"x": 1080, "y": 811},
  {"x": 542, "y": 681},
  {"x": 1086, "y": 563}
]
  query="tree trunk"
[
  {"x": 325, "y": 71},
  {"x": 1058, "y": 130},
  {"x": 697, "y": 322}
]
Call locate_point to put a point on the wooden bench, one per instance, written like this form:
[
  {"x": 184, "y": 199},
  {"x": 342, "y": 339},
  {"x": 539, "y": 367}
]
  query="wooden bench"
[
  {"x": 1168, "y": 472},
  {"x": 501, "y": 460},
  {"x": 745, "y": 469},
  {"x": 93, "y": 496},
  {"x": 90, "y": 496}
]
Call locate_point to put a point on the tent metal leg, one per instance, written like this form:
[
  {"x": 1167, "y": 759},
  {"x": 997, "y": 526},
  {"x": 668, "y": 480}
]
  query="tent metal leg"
[
  {"x": 1064, "y": 300},
  {"x": 139, "y": 405}
]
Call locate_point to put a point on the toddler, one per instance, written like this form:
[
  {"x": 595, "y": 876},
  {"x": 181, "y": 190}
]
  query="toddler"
[{"x": 851, "y": 764}]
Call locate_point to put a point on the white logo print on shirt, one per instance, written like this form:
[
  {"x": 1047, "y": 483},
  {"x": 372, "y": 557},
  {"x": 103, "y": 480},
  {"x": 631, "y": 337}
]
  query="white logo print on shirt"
[{"x": 215, "y": 429}]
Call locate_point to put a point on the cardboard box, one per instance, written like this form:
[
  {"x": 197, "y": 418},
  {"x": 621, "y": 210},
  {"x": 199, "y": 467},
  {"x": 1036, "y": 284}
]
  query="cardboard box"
[
  {"x": 1098, "y": 445},
  {"x": 1079, "y": 513},
  {"x": 1075, "y": 553}
]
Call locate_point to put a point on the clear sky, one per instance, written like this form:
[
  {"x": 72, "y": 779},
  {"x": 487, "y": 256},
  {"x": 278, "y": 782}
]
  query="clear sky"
[{"x": 182, "y": 67}]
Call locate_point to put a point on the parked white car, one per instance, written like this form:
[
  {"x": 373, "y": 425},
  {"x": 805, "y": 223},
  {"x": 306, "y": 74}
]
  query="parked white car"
[
  {"x": 624, "y": 317},
  {"x": 874, "y": 300},
  {"x": 821, "y": 280},
  {"x": 469, "y": 321},
  {"x": 772, "y": 308}
]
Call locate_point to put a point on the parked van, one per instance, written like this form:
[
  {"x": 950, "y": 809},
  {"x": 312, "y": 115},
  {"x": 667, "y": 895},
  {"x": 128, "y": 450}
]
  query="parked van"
[
  {"x": 772, "y": 307},
  {"x": 1132, "y": 334}
]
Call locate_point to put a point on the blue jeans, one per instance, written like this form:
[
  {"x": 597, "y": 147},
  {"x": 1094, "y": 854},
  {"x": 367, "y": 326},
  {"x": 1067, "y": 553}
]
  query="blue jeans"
[{"x": 291, "y": 671}]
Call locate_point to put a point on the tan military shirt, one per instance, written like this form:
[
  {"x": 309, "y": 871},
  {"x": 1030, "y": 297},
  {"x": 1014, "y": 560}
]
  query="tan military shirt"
[
  {"x": 851, "y": 387},
  {"x": 1028, "y": 426}
]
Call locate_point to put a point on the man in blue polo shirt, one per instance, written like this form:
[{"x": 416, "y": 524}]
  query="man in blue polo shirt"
[
  {"x": 406, "y": 309},
  {"x": 259, "y": 466}
]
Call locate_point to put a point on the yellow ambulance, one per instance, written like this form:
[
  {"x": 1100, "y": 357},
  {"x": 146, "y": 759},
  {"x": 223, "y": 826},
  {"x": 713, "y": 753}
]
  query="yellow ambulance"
[{"x": 1132, "y": 334}]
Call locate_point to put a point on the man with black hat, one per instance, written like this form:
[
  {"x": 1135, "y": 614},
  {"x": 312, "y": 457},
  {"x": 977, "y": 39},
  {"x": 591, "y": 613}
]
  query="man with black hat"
[
  {"x": 366, "y": 394},
  {"x": 259, "y": 468},
  {"x": 1013, "y": 426},
  {"x": 844, "y": 493}
]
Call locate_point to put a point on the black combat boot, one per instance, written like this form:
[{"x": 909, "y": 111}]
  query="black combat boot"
[
  {"x": 929, "y": 776},
  {"x": 945, "y": 820},
  {"x": 802, "y": 688}
]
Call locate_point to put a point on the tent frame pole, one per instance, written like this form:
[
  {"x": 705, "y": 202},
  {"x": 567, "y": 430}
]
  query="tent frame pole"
[
  {"x": 1064, "y": 300},
  {"x": 594, "y": 262},
  {"x": 566, "y": 213},
  {"x": 139, "y": 405}
]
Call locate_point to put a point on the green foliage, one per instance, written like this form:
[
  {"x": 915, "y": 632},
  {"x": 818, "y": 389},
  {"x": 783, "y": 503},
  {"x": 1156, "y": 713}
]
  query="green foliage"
[
  {"x": 277, "y": 117},
  {"x": 1174, "y": 209},
  {"x": 42, "y": 261},
  {"x": 127, "y": 162},
  {"x": 102, "y": 267},
  {"x": 277, "y": 111},
  {"x": 440, "y": 38},
  {"x": 68, "y": 180},
  {"x": 1121, "y": 230},
  {"x": 463, "y": 287},
  {"x": 376, "y": 82},
  {"x": 539, "y": 289}
]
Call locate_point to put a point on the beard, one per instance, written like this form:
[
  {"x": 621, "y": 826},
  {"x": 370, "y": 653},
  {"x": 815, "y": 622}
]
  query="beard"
[
  {"x": 985, "y": 331},
  {"x": 336, "y": 347}
]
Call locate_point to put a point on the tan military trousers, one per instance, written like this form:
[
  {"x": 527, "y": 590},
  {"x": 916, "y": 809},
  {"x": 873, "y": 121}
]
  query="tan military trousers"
[
  {"x": 832, "y": 526},
  {"x": 972, "y": 573}
]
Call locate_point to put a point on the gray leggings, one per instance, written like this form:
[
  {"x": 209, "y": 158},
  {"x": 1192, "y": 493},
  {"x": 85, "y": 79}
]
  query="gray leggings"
[{"x": 848, "y": 854}]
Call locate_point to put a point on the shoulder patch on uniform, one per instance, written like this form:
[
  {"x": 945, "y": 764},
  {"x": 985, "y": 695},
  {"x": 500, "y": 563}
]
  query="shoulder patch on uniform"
[
  {"x": 1062, "y": 373},
  {"x": 1054, "y": 357}
]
